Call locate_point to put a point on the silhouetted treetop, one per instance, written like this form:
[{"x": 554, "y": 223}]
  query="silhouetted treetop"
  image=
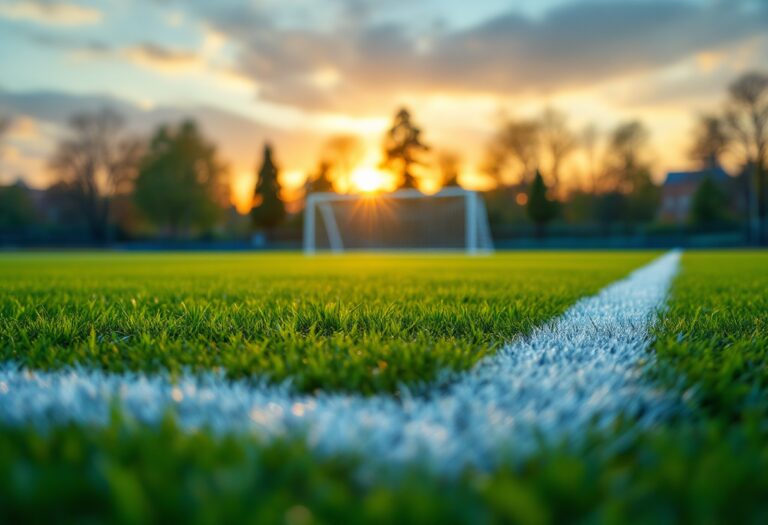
[
  {"x": 320, "y": 180},
  {"x": 626, "y": 164},
  {"x": 449, "y": 164},
  {"x": 96, "y": 160},
  {"x": 558, "y": 140},
  {"x": 513, "y": 154},
  {"x": 341, "y": 154},
  {"x": 403, "y": 147},
  {"x": 710, "y": 141},
  {"x": 540, "y": 208},
  {"x": 269, "y": 209},
  {"x": 746, "y": 123}
]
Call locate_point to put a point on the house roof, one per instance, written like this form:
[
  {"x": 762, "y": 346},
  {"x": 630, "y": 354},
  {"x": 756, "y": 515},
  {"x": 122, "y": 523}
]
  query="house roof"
[{"x": 695, "y": 177}]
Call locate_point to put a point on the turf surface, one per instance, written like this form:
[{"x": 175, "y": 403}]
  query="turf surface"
[
  {"x": 715, "y": 336},
  {"x": 357, "y": 323},
  {"x": 708, "y": 465}
]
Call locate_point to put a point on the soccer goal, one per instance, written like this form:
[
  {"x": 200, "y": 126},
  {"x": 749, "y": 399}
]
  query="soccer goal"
[{"x": 453, "y": 219}]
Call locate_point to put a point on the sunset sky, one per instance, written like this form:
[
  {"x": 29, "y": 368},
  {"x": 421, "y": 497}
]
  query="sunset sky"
[{"x": 296, "y": 71}]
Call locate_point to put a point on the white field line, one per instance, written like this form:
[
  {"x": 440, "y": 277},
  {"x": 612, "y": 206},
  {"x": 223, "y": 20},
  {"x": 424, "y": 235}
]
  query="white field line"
[{"x": 582, "y": 368}]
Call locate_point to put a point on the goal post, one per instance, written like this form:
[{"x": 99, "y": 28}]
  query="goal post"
[{"x": 452, "y": 219}]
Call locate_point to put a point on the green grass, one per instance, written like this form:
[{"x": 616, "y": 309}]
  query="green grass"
[
  {"x": 710, "y": 465},
  {"x": 357, "y": 323},
  {"x": 715, "y": 336}
]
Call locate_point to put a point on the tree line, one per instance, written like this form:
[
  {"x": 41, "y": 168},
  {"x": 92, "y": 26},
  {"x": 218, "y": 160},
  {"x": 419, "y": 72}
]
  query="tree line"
[
  {"x": 110, "y": 183},
  {"x": 174, "y": 183}
]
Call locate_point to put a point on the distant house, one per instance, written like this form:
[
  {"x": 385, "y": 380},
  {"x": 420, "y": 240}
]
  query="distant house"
[{"x": 680, "y": 187}]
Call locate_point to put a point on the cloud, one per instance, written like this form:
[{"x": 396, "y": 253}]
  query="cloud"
[
  {"x": 696, "y": 82},
  {"x": 180, "y": 62},
  {"x": 23, "y": 128},
  {"x": 163, "y": 59},
  {"x": 69, "y": 42},
  {"x": 239, "y": 138},
  {"x": 573, "y": 45},
  {"x": 51, "y": 12}
]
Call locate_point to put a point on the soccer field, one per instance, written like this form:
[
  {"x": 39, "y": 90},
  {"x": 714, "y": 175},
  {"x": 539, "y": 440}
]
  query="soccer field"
[{"x": 396, "y": 331}]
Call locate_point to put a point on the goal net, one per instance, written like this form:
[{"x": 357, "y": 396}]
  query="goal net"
[{"x": 453, "y": 219}]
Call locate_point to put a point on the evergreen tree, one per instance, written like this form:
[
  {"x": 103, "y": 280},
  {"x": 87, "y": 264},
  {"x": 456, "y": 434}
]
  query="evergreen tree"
[
  {"x": 540, "y": 209},
  {"x": 402, "y": 146},
  {"x": 269, "y": 209},
  {"x": 709, "y": 204}
]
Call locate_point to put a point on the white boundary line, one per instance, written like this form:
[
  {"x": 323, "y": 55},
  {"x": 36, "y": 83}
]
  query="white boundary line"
[{"x": 579, "y": 369}]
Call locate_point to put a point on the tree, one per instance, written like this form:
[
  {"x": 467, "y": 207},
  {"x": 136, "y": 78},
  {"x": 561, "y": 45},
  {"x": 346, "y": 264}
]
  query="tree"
[
  {"x": 269, "y": 209},
  {"x": 610, "y": 208},
  {"x": 625, "y": 165},
  {"x": 513, "y": 153},
  {"x": 5, "y": 125},
  {"x": 341, "y": 154},
  {"x": 710, "y": 141},
  {"x": 557, "y": 140},
  {"x": 17, "y": 210},
  {"x": 402, "y": 149},
  {"x": 320, "y": 180},
  {"x": 709, "y": 206},
  {"x": 540, "y": 209},
  {"x": 449, "y": 164},
  {"x": 627, "y": 173},
  {"x": 180, "y": 186},
  {"x": 589, "y": 141},
  {"x": 96, "y": 161},
  {"x": 642, "y": 203},
  {"x": 746, "y": 123},
  {"x": 625, "y": 153}
]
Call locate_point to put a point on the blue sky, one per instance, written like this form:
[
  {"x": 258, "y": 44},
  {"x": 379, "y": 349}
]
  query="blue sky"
[{"x": 295, "y": 71}]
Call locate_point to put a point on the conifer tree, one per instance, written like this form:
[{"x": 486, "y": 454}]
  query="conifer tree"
[
  {"x": 269, "y": 209},
  {"x": 540, "y": 209}
]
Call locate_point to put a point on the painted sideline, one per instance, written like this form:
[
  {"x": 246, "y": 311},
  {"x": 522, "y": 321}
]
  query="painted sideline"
[{"x": 581, "y": 368}]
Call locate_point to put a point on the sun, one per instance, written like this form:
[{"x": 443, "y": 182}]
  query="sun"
[{"x": 367, "y": 179}]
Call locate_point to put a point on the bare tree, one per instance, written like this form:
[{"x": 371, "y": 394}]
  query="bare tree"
[
  {"x": 96, "y": 161},
  {"x": 558, "y": 141},
  {"x": 625, "y": 156},
  {"x": 589, "y": 142},
  {"x": 341, "y": 154},
  {"x": 449, "y": 164},
  {"x": 5, "y": 125},
  {"x": 513, "y": 152},
  {"x": 320, "y": 180},
  {"x": 746, "y": 123},
  {"x": 627, "y": 173},
  {"x": 710, "y": 141}
]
